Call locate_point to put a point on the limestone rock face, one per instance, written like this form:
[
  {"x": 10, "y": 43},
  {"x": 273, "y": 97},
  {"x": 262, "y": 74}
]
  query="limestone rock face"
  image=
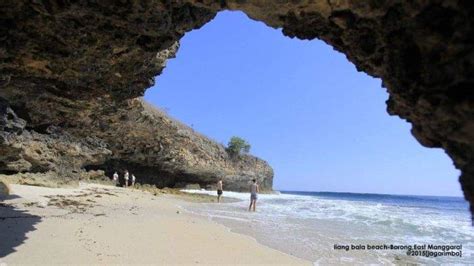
[
  {"x": 116, "y": 136},
  {"x": 74, "y": 64},
  {"x": 162, "y": 151},
  {"x": 23, "y": 150}
]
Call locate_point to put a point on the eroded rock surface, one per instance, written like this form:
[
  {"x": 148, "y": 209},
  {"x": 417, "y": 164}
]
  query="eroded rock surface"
[
  {"x": 51, "y": 149},
  {"x": 165, "y": 152},
  {"x": 114, "y": 136},
  {"x": 63, "y": 62}
]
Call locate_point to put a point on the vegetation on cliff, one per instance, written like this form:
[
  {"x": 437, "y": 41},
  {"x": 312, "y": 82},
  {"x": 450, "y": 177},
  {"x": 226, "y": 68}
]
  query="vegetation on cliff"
[{"x": 237, "y": 146}]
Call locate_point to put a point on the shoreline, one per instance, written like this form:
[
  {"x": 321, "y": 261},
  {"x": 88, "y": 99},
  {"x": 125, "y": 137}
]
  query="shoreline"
[
  {"x": 105, "y": 224},
  {"x": 313, "y": 237},
  {"x": 237, "y": 231},
  {"x": 234, "y": 231},
  {"x": 193, "y": 206}
]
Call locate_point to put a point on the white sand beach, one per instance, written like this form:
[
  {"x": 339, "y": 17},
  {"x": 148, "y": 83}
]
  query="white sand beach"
[{"x": 97, "y": 224}]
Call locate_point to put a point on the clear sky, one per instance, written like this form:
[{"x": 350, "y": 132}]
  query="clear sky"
[{"x": 303, "y": 107}]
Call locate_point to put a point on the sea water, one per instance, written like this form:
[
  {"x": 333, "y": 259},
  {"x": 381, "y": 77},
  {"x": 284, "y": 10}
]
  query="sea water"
[{"x": 348, "y": 228}]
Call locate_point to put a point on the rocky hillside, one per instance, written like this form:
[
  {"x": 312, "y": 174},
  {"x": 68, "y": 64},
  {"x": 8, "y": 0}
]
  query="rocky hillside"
[{"x": 135, "y": 136}]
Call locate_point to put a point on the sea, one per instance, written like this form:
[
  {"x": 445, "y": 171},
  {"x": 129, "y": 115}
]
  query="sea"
[{"x": 351, "y": 228}]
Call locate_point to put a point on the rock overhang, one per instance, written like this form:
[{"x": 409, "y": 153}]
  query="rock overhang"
[{"x": 79, "y": 61}]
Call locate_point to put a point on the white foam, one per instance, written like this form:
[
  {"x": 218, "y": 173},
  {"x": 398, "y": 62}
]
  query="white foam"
[{"x": 296, "y": 219}]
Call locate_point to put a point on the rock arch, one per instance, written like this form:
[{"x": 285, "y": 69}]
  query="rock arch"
[{"x": 66, "y": 63}]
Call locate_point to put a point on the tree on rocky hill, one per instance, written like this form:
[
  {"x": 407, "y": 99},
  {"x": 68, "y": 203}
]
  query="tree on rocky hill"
[{"x": 237, "y": 146}]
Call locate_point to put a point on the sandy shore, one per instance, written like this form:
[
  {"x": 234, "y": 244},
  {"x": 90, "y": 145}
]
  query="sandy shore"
[{"x": 96, "y": 224}]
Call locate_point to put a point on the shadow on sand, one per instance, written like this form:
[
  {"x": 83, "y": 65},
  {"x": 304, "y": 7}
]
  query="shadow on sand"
[{"x": 14, "y": 225}]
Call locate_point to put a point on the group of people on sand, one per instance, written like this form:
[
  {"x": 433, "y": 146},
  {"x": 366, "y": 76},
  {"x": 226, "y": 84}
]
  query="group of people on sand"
[
  {"x": 253, "y": 189},
  {"x": 126, "y": 178}
]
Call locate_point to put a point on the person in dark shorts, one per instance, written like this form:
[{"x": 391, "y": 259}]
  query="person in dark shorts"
[
  {"x": 253, "y": 194},
  {"x": 219, "y": 190}
]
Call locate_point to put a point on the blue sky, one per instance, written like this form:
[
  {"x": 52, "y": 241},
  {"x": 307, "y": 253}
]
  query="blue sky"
[{"x": 303, "y": 107}]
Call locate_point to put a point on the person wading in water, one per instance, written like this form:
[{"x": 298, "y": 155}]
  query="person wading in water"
[{"x": 253, "y": 194}]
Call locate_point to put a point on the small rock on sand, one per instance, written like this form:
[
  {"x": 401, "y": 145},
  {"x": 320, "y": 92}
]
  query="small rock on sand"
[{"x": 4, "y": 189}]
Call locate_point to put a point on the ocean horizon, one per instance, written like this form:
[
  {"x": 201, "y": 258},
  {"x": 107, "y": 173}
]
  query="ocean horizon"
[
  {"x": 317, "y": 226},
  {"x": 290, "y": 191}
]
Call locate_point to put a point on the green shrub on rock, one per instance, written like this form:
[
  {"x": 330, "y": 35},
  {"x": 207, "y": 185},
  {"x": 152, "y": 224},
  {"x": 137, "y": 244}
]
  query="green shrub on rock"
[{"x": 237, "y": 146}]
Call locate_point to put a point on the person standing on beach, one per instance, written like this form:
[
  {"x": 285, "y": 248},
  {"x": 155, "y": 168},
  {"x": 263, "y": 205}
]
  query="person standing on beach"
[
  {"x": 253, "y": 194},
  {"x": 115, "y": 177},
  {"x": 219, "y": 190},
  {"x": 133, "y": 180},
  {"x": 125, "y": 176}
]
